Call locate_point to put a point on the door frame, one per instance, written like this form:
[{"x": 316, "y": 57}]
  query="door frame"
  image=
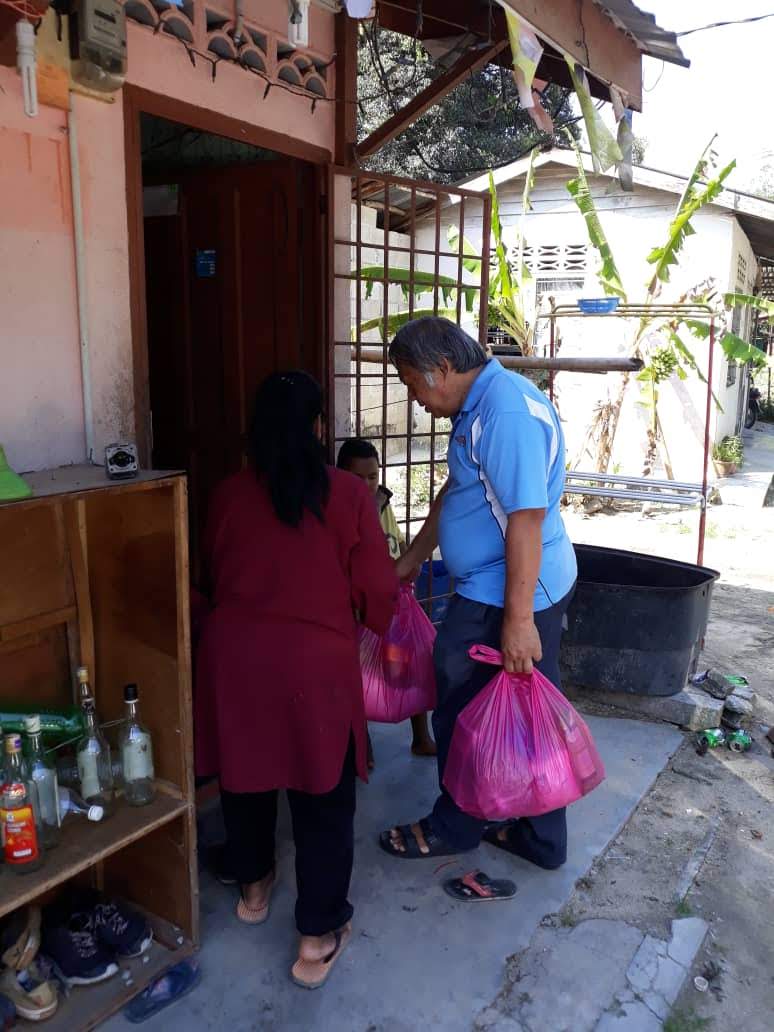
[{"x": 137, "y": 101}]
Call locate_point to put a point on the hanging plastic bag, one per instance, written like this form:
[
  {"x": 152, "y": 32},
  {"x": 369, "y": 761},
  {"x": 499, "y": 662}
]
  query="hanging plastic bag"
[
  {"x": 519, "y": 749},
  {"x": 398, "y": 672}
]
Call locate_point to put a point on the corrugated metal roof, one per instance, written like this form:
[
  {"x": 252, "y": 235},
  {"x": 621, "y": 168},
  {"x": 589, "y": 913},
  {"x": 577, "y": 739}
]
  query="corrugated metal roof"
[{"x": 641, "y": 26}]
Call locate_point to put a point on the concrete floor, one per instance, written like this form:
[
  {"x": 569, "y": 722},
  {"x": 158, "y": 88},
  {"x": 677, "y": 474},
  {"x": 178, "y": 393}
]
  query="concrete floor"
[{"x": 417, "y": 960}]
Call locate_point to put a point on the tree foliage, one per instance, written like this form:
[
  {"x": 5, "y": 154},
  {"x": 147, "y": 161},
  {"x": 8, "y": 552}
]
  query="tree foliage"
[{"x": 476, "y": 127}]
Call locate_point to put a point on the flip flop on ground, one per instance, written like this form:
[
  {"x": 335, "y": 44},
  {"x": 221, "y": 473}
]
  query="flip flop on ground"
[
  {"x": 312, "y": 974},
  {"x": 255, "y": 915},
  {"x": 477, "y": 887}
]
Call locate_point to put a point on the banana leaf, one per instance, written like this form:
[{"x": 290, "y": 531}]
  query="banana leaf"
[
  {"x": 738, "y": 350},
  {"x": 470, "y": 263},
  {"x": 399, "y": 319},
  {"x": 690, "y": 360},
  {"x": 578, "y": 188},
  {"x": 698, "y": 191},
  {"x": 750, "y": 300}
]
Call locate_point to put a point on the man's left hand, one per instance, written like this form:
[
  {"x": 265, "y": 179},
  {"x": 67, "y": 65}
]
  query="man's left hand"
[{"x": 520, "y": 645}]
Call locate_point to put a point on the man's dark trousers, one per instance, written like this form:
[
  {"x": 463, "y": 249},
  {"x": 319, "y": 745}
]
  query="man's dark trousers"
[{"x": 542, "y": 840}]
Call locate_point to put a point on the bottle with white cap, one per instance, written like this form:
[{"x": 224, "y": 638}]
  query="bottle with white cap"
[
  {"x": 41, "y": 770},
  {"x": 71, "y": 803},
  {"x": 95, "y": 768}
]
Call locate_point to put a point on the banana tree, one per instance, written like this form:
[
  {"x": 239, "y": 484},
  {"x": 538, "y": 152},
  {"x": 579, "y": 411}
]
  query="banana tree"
[
  {"x": 511, "y": 297},
  {"x": 659, "y": 342}
]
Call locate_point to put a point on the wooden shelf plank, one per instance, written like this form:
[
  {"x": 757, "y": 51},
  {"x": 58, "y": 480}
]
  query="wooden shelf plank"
[
  {"x": 78, "y": 480},
  {"x": 88, "y": 1006},
  {"x": 84, "y": 844}
]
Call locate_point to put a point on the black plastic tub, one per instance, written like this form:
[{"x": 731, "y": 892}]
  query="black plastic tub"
[{"x": 637, "y": 622}]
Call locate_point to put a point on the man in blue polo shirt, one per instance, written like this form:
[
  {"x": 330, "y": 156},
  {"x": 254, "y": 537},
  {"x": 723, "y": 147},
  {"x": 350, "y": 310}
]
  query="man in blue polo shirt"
[{"x": 502, "y": 538}]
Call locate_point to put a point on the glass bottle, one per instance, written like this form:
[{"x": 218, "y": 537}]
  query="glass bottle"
[
  {"x": 58, "y": 724},
  {"x": 94, "y": 765},
  {"x": 40, "y": 769},
  {"x": 20, "y": 814},
  {"x": 71, "y": 803},
  {"x": 84, "y": 688},
  {"x": 136, "y": 753},
  {"x": 67, "y": 771}
]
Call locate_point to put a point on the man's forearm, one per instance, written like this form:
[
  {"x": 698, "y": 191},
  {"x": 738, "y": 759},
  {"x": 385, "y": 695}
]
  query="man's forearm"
[
  {"x": 523, "y": 552},
  {"x": 426, "y": 541}
]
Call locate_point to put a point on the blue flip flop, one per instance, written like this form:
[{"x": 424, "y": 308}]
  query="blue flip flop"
[{"x": 175, "y": 983}]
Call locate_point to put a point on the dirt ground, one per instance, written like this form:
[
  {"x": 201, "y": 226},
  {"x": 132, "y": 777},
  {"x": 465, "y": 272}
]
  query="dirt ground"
[{"x": 702, "y": 840}]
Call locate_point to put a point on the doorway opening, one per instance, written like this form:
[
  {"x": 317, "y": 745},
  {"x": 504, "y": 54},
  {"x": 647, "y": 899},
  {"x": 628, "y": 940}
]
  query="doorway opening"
[{"x": 233, "y": 242}]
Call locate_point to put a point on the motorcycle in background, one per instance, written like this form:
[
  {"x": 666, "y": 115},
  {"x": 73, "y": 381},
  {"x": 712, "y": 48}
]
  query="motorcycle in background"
[{"x": 753, "y": 407}]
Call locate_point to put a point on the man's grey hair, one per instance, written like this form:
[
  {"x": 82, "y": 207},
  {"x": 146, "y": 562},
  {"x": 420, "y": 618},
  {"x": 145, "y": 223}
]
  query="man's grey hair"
[{"x": 424, "y": 344}]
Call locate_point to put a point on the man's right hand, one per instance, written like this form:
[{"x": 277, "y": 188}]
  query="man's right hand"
[{"x": 407, "y": 568}]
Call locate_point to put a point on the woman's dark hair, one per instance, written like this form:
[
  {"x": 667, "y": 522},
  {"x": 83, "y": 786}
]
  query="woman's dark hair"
[
  {"x": 355, "y": 448},
  {"x": 285, "y": 448}
]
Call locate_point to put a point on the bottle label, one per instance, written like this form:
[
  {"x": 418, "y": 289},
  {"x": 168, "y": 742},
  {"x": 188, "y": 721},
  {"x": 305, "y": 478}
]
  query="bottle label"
[
  {"x": 20, "y": 840},
  {"x": 88, "y": 772},
  {"x": 137, "y": 757}
]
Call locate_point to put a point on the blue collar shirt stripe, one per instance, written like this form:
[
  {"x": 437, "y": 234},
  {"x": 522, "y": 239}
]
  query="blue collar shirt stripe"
[{"x": 506, "y": 454}]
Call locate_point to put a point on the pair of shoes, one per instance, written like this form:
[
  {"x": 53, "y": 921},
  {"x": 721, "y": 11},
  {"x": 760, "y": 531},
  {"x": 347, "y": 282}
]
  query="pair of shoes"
[
  {"x": 86, "y": 943},
  {"x": 32, "y": 996},
  {"x": 24, "y": 989}
]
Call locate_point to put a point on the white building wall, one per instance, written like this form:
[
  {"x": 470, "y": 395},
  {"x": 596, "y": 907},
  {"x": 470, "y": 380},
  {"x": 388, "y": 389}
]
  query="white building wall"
[{"x": 372, "y": 381}]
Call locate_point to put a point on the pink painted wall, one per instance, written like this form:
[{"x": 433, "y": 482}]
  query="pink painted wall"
[
  {"x": 41, "y": 415},
  {"x": 160, "y": 63},
  {"x": 41, "y": 420}
]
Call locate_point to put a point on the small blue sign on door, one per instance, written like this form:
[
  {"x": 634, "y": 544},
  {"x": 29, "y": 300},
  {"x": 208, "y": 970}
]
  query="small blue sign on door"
[{"x": 206, "y": 264}]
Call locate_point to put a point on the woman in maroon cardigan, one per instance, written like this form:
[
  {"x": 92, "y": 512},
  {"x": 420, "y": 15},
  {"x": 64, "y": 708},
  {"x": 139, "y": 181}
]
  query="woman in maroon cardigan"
[{"x": 293, "y": 549}]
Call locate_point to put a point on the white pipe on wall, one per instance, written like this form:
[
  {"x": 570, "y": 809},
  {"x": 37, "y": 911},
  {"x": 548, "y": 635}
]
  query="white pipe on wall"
[
  {"x": 239, "y": 22},
  {"x": 80, "y": 280}
]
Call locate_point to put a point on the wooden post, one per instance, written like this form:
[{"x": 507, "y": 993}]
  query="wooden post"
[{"x": 346, "y": 89}]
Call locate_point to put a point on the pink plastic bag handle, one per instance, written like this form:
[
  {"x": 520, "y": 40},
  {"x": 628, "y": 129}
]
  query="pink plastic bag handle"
[{"x": 483, "y": 654}]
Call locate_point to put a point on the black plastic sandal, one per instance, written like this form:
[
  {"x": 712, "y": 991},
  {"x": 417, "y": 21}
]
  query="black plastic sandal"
[
  {"x": 477, "y": 887},
  {"x": 436, "y": 846}
]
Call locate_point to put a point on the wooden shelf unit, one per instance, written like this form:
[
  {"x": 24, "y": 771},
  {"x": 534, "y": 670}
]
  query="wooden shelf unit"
[{"x": 96, "y": 572}]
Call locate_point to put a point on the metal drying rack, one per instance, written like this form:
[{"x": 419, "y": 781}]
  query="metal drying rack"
[{"x": 613, "y": 485}]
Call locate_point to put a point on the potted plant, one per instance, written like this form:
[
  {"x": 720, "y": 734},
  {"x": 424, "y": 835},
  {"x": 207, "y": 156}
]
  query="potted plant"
[{"x": 727, "y": 456}]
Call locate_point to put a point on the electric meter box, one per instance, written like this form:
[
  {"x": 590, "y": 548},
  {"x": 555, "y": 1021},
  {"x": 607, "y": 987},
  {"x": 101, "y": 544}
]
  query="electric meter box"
[{"x": 98, "y": 44}]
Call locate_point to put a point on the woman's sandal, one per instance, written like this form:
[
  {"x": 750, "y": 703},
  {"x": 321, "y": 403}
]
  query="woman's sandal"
[
  {"x": 477, "y": 887},
  {"x": 312, "y": 974},
  {"x": 254, "y": 915},
  {"x": 435, "y": 845}
]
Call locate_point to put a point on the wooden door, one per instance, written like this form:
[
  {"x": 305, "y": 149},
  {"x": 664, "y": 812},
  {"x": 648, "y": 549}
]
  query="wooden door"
[{"x": 234, "y": 288}]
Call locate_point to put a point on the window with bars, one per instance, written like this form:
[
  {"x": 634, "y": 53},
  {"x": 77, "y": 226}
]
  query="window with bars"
[{"x": 397, "y": 255}]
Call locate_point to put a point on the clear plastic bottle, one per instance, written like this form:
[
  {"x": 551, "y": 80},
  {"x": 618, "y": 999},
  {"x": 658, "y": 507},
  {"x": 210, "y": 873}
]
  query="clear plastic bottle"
[
  {"x": 40, "y": 769},
  {"x": 136, "y": 753},
  {"x": 94, "y": 764},
  {"x": 20, "y": 814}
]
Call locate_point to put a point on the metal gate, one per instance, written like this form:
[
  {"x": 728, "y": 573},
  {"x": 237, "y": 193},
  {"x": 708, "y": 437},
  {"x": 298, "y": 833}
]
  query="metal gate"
[{"x": 401, "y": 249}]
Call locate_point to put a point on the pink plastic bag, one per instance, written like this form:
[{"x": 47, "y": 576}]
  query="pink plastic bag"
[
  {"x": 519, "y": 749},
  {"x": 398, "y": 672}
]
